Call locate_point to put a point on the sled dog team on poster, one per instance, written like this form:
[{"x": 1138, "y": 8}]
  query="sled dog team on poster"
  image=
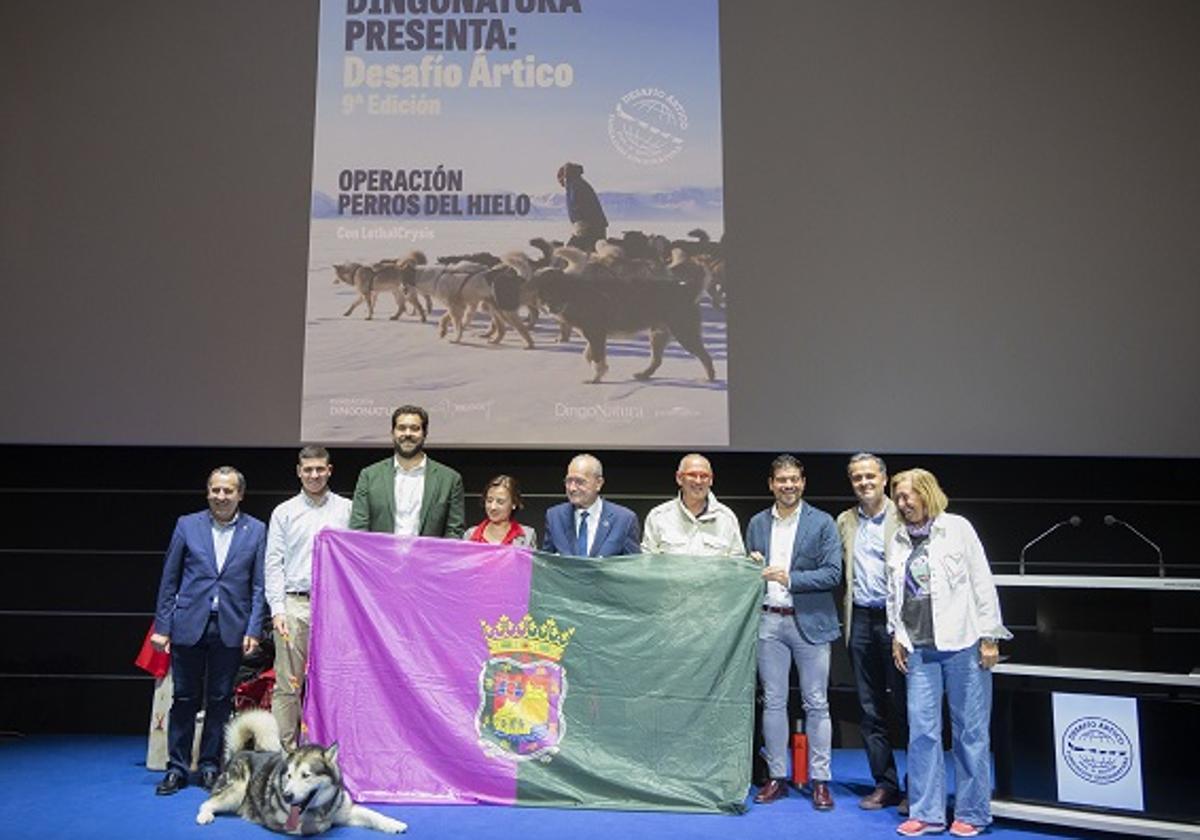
[{"x": 623, "y": 286}]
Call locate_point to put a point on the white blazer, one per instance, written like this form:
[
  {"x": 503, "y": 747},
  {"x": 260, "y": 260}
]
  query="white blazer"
[{"x": 965, "y": 604}]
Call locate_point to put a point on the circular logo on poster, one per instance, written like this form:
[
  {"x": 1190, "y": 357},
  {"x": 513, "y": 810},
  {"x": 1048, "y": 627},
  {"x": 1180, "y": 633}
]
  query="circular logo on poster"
[
  {"x": 647, "y": 125},
  {"x": 1097, "y": 750}
]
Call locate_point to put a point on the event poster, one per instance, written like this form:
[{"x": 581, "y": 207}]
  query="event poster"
[{"x": 517, "y": 223}]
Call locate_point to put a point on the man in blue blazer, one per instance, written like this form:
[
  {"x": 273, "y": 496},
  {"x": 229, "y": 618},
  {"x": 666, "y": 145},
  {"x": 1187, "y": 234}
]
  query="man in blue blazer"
[
  {"x": 210, "y": 611},
  {"x": 802, "y": 553},
  {"x": 586, "y": 525}
]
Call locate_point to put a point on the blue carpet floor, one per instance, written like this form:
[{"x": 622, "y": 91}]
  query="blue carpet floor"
[{"x": 99, "y": 787}]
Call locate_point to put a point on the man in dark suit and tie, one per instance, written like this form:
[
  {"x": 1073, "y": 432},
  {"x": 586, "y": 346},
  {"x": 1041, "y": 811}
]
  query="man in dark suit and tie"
[
  {"x": 587, "y": 525},
  {"x": 409, "y": 493},
  {"x": 210, "y": 611},
  {"x": 802, "y": 555}
]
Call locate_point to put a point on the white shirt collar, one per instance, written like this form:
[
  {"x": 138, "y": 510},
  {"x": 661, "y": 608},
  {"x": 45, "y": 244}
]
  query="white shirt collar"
[
  {"x": 775, "y": 512},
  {"x": 593, "y": 511},
  {"x": 417, "y": 470},
  {"x": 224, "y": 525}
]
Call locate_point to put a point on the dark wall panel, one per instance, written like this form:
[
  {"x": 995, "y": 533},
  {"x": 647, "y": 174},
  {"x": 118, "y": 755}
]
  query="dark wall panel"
[{"x": 81, "y": 551}]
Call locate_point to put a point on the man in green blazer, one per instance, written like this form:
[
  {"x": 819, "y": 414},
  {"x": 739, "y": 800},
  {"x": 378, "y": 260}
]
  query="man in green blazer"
[{"x": 409, "y": 493}]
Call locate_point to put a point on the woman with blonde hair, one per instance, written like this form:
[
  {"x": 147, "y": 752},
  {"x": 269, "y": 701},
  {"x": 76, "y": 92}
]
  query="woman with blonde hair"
[{"x": 944, "y": 616}]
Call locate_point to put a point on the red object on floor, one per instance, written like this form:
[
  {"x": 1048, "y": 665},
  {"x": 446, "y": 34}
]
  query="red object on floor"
[
  {"x": 255, "y": 693},
  {"x": 799, "y": 759}
]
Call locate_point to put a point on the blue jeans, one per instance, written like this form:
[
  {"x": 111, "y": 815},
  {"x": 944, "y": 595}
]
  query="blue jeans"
[
  {"x": 968, "y": 690},
  {"x": 779, "y": 642}
]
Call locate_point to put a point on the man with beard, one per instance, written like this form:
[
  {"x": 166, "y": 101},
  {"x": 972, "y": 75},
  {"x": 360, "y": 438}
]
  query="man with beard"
[
  {"x": 409, "y": 493},
  {"x": 802, "y": 555}
]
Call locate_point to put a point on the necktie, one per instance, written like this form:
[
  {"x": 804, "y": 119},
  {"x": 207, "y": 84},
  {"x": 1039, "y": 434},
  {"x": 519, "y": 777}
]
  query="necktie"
[{"x": 581, "y": 538}]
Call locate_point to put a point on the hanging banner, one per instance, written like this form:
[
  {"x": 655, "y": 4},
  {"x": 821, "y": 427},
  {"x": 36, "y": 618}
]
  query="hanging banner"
[
  {"x": 458, "y": 145},
  {"x": 1098, "y": 756},
  {"x": 456, "y": 672}
]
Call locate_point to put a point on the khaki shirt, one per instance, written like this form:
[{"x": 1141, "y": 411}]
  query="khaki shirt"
[{"x": 673, "y": 529}]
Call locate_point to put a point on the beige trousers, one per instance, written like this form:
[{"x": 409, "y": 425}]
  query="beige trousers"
[{"x": 291, "y": 660}]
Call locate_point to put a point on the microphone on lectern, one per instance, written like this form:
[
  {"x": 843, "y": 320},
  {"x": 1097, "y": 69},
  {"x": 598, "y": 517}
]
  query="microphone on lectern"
[
  {"x": 1111, "y": 520},
  {"x": 1073, "y": 520}
]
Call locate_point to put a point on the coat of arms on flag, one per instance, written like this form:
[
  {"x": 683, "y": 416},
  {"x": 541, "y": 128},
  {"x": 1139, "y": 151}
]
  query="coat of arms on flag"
[{"x": 522, "y": 687}]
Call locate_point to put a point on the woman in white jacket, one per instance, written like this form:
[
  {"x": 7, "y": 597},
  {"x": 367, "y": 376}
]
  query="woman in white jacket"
[{"x": 944, "y": 616}]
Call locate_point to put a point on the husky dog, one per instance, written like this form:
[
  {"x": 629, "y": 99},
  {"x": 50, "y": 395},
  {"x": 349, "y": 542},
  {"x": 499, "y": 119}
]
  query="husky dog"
[
  {"x": 370, "y": 281},
  {"x": 465, "y": 288},
  {"x": 293, "y": 793}
]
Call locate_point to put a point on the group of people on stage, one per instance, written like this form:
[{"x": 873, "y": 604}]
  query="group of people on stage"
[{"x": 920, "y": 614}]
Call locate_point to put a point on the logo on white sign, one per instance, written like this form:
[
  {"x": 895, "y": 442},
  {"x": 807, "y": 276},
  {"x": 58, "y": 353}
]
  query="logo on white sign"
[{"x": 1097, "y": 750}]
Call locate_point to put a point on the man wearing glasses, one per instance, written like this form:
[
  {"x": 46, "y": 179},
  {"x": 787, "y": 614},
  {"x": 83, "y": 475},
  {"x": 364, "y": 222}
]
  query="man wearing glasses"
[
  {"x": 586, "y": 525},
  {"x": 694, "y": 522}
]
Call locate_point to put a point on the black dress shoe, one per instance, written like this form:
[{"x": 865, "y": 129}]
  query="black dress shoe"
[
  {"x": 173, "y": 782},
  {"x": 774, "y": 789},
  {"x": 822, "y": 798},
  {"x": 881, "y": 797},
  {"x": 208, "y": 778}
]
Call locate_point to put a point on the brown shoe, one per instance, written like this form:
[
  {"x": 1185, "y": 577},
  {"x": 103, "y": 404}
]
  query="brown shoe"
[
  {"x": 881, "y": 797},
  {"x": 774, "y": 789},
  {"x": 822, "y": 798}
]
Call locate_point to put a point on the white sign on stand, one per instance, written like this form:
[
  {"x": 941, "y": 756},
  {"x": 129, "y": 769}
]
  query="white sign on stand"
[{"x": 1098, "y": 756}]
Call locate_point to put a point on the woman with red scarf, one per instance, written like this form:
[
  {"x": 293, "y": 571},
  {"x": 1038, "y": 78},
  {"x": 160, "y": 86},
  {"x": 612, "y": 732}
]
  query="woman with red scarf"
[{"x": 501, "y": 497}]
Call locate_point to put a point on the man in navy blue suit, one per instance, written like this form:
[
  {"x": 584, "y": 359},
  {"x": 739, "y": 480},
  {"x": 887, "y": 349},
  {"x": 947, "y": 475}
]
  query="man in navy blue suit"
[
  {"x": 210, "y": 612},
  {"x": 586, "y": 525},
  {"x": 802, "y": 557}
]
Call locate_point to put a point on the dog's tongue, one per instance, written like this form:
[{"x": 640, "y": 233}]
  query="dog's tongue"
[{"x": 293, "y": 820}]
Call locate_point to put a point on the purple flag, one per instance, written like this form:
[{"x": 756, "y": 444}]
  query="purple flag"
[
  {"x": 394, "y": 662},
  {"x": 458, "y": 672}
]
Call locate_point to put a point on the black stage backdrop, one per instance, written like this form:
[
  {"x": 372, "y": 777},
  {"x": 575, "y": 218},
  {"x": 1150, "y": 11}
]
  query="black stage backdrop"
[
  {"x": 85, "y": 529},
  {"x": 964, "y": 229}
]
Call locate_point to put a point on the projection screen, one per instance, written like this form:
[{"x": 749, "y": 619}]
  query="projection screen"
[{"x": 960, "y": 227}]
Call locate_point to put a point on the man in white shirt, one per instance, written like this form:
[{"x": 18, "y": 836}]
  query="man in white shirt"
[
  {"x": 587, "y": 525},
  {"x": 803, "y": 563},
  {"x": 409, "y": 494},
  {"x": 694, "y": 522},
  {"x": 288, "y": 574}
]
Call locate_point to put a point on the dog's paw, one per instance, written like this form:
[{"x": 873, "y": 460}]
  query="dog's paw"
[
  {"x": 641, "y": 376},
  {"x": 205, "y": 817},
  {"x": 394, "y": 826}
]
